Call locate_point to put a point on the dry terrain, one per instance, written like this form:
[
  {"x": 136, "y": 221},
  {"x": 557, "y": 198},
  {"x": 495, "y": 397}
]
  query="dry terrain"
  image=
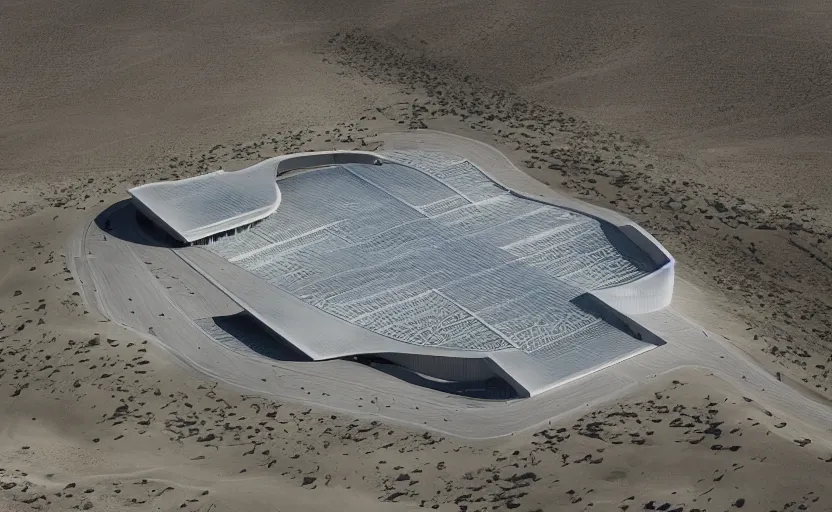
[{"x": 708, "y": 123}]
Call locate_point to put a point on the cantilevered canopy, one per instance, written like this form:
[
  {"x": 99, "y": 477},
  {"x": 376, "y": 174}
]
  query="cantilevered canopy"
[{"x": 202, "y": 206}]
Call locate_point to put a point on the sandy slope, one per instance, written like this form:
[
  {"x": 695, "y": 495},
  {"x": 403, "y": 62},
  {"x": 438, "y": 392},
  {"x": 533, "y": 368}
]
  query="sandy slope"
[
  {"x": 739, "y": 91},
  {"x": 731, "y": 98},
  {"x": 94, "y": 86}
]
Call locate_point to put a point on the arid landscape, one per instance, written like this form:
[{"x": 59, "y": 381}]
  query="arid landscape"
[{"x": 706, "y": 123}]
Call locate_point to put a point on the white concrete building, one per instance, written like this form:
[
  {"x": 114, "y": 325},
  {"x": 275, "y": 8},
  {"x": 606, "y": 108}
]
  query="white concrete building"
[{"x": 420, "y": 259}]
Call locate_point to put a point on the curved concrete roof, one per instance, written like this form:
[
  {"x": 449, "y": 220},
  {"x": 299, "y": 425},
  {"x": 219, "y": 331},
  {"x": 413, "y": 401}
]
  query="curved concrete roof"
[
  {"x": 422, "y": 254},
  {"x": 198, "y": 207}
]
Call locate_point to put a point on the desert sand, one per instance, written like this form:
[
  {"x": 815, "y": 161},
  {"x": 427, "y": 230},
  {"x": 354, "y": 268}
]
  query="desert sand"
[{"x": 705, "y": 123}]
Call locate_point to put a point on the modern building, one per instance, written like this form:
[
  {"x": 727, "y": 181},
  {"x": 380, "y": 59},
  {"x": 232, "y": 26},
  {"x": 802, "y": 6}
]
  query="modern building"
[{"x": 419, "y": 259}]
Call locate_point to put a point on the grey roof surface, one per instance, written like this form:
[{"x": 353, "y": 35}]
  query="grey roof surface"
[{"x": 434, "y": 255}]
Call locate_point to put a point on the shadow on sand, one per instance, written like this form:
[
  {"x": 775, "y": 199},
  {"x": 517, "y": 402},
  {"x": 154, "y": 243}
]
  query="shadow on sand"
[
  {"x": 594, "y": 306},
  {"x": 490, "y": 389},
  {"x": 241, "y": 333},
  {"x": 123, "y": 221}
]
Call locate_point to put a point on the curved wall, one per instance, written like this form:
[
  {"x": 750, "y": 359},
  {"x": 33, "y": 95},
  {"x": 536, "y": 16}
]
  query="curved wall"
[{"x": 644, "y": 295}]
